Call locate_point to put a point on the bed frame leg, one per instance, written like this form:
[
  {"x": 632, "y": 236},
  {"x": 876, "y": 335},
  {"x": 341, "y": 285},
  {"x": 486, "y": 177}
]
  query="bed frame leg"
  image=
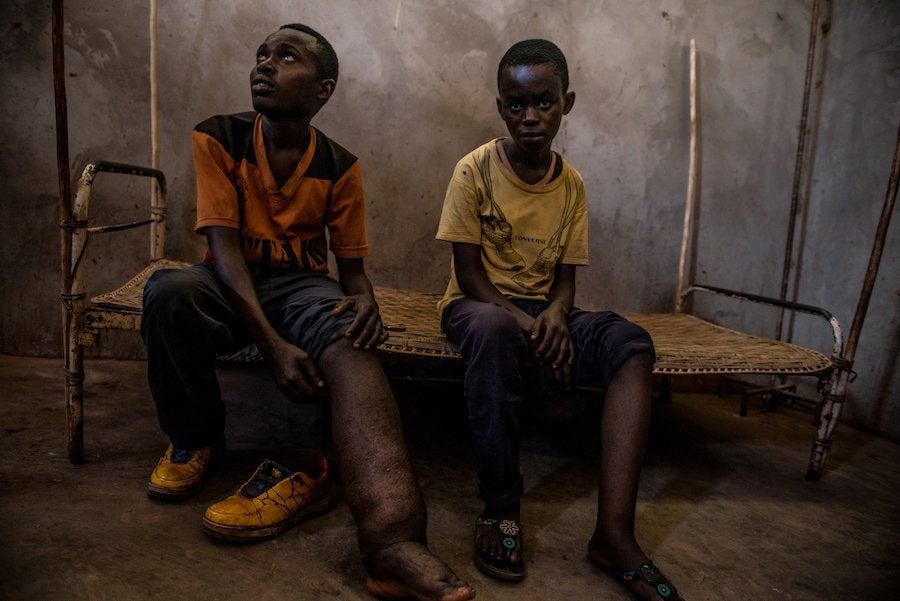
[
  {"x": 665, "y": 391},
  {"x": 771, "y": 394},
  {"x": 827, "y": 419}
]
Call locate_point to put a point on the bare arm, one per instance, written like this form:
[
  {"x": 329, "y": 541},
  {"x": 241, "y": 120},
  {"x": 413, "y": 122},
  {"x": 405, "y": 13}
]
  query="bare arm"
[
  {"x": 548, "y": 334},
  {"x": 473, "y": 281},
  {"x": 295, "y": 372},
  {"x": 551, "y": 330},
  {"x": 366, "y": 329}
]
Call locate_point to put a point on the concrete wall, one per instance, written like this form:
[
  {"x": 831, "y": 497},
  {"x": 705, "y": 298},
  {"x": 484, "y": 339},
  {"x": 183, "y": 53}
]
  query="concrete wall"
[{"x": 417, "y": 91}]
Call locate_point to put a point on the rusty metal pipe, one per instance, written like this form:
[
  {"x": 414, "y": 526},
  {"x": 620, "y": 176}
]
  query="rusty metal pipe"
[
  {"x": 72, "y": 357},
  {"x": 799, "y": 165},
  {"x": 833, "y": 398},
  {"x": 875, "y": 257}
]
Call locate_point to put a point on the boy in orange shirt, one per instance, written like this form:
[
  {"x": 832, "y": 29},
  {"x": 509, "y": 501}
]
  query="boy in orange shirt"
[{"x": 274, "y": 194}]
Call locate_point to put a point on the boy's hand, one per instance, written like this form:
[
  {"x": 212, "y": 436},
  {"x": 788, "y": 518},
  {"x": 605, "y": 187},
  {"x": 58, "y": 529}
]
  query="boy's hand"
[
  {"x": 553, "y": 348},
  {"x": 296, "y": 374},
  {"x": 366, "y": 329}
]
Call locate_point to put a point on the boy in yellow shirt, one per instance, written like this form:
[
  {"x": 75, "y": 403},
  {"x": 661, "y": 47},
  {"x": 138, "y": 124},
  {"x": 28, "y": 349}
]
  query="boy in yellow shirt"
[{"x": 516, "y": 214}]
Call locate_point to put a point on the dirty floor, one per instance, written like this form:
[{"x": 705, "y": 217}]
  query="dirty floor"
[{"x": 724, "y": 507}]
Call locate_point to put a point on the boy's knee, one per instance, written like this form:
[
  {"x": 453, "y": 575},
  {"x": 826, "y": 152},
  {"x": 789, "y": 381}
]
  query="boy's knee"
[
  {"x": 641, "y": 362},
  {"x": 494, "y": 330},
  {"x": 163, "y": 283},
  {"x": 168, "y": 290},
  {"x": 495, "y": 320}
]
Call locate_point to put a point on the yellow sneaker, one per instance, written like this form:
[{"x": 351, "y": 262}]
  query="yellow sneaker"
[
  {"x": 179, "y": 473},
  {"x": 271, "y": 501}
]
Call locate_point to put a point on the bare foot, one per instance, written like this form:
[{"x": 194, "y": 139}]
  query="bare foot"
[
  {"x": 611, "y": 562},
  {"x": 409, "y": 570},
  {"x": 617, "y": 557}
]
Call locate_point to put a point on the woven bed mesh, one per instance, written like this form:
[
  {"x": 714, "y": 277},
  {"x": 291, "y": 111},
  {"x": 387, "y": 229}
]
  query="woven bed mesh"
[{"x": 684, "y": 344}]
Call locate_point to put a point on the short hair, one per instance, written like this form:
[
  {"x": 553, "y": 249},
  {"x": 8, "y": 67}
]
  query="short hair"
[
  {"x": 535, "y": 52},
  {"x": 328, "y": 60}
]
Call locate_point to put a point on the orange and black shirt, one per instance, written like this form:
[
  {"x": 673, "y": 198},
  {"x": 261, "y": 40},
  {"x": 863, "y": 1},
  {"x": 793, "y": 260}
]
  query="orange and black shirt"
[{"x": 320, "y": 206}]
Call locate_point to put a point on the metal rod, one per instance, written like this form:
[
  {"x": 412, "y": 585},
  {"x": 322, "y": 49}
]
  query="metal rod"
[
  {"x": 692, "y": 180},
  {"x": 157, "y": 229},
  {"x": 833, "y": 398},
  {"x": 62, "y": 137},
  {"x": 798, "y": 166},
  {"x": 154, "y": 91},
  {"x": 72, "y": 352},
  {"x": 837, "y": 333},
  {"x": 875, "y": 257}
]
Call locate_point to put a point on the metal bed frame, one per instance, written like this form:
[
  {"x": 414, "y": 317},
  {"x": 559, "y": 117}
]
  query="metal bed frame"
[{"x": 685, "y": 344}]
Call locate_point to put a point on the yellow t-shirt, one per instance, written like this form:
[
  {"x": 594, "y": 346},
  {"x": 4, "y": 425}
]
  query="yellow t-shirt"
[{"x": 524, "y": 230}]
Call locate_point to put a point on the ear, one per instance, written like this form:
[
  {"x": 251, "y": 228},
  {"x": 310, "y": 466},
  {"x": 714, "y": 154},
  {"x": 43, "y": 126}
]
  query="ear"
[
  {"x": 568, "y": 102},
  {"x": 499, "y": 106},
  {"x": 326, "y": 89}
]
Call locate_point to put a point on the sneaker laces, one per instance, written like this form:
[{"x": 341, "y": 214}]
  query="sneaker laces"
[
  {"x": 181, "y": 455},
  {"x": 268, "y": 475}
]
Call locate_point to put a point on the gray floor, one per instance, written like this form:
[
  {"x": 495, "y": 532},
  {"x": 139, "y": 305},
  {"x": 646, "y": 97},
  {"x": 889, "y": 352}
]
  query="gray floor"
[{"x": 724, "y": 507}]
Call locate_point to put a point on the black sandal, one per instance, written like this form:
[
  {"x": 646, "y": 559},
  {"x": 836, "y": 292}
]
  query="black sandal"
[
  {"x": 647, "y": 573},
  {"x": 511, "y": 537}
]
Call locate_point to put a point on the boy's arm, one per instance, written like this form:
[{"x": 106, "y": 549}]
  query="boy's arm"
[
  {"x": 554, "y": 344},
  {"x": 366, "y": 327},
  {"x": 473, "y": 282},
  {"x": 296, "y": 374},
  {"x": 548, "y": 334}
]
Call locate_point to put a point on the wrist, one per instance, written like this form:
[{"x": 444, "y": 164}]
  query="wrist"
[
  {"x": 269, "y": 345},
  {"x": 560, "y": 305}
]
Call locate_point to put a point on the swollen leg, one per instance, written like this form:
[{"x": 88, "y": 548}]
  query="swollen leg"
[{"x": 380, "y": 486}]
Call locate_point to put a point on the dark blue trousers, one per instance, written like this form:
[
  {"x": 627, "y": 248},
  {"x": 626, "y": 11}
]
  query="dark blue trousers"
[
  {"x": 496, "y": 352},
  {"x": 188, "y": 321}
]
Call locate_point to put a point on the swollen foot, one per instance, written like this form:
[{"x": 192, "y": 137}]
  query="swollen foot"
[{"x": 410, "y": 570}]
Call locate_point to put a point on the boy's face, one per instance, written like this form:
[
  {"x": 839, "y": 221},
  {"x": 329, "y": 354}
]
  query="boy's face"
[
  {"x": 532, "y": 103},
  {"x": 285, "y": 80}
]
